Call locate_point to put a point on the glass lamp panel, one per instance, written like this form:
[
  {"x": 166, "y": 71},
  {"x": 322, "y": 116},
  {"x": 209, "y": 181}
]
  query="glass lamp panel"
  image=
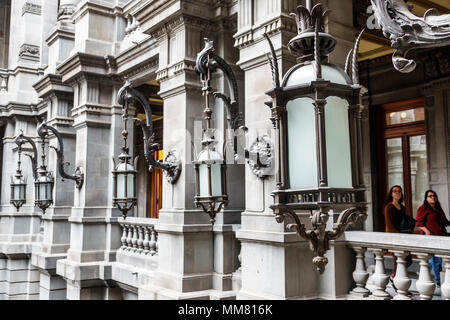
[
  {"x": 121, "y": 182},
  {"x": 302, "y": 144},
  {"x": 16, "y": 191},
  {"x": 130, "y": 185},
  {"x": 306, "y": 74},
  {"x": 42, "y": 194},
  {"x": 203, "y": 180},
  {"x": 339, "y": 163},
  {"x": 49, "y": 194},
  {"x": 216, "y": 180},
  {"x": 22, "y": 192}
]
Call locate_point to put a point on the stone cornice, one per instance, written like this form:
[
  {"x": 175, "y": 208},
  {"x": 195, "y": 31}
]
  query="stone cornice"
[
  {"x": 16, "y": 108},
  {"x": 94, "y": 8},
  {"x": 175, "y": 69},
  {"x": 84, "y": 63},
  {"x": 159, "y": 17},
  {"x": 249, "y": 35},
  {"x": 141, "y": 49},
  {"x": 51, "y": 83},
  {"x": 60, "y": 33},
  {"x": 141, "y": 68}
]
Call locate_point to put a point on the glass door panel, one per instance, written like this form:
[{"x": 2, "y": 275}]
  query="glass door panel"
[
  {"x": 394, "y": 162},
  {"x": 419, "y": 170}
]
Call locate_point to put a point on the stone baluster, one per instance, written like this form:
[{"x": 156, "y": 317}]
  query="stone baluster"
[
  {"x": 425, "y": 284},
  {"x": 134, "y": 239},
  {"x": 129, "y": 237},
  {"x": 445, "y": 286},
  {"x": 380, "y": 278},
  {"x": 153, "y": 241},
  {"x": 360, "y": 275},
  {"x": 140, "y": 242},
  {"x": 401, "y": 279},
  {"x": 146, "y": 242},
  {"x": 123, "y": 240}
]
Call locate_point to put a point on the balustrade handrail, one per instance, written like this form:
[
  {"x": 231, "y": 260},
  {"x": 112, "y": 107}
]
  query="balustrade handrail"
[
  {"x": 439, "y": 245},
  {"x": 138, "y": 221}
]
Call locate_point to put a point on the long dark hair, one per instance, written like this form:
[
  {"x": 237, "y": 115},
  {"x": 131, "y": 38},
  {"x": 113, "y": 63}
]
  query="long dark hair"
[
  {"x": 389, "y": 196},
  {"x": 437, "y": 205}
]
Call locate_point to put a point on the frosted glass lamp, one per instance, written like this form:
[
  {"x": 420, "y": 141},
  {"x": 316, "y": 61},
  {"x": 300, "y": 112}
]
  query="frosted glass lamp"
[
  {"x": 124, "y": 185},
  {"x": 18, "y": 191},
  {"x": 43, "y": 189},
  {"x": 210, "y": 177}
]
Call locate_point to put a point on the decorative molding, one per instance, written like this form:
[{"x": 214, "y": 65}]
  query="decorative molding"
[
  {"x": 31, "y": 8},
  {"x": 178, "y": 21},
  {"x": 65, "y": 12},
  {"x": 260, "y": 157},
  {"x": 244, "y": 39},
  {"x": 407, "y": 31},
  {"x": 29, "y": 52}
]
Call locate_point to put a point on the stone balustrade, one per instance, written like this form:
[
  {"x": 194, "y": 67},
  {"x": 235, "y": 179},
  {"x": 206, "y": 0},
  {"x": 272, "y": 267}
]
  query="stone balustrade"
[
  {"x": 421, "y": 247},
  {"x": 139, "y": 236}
]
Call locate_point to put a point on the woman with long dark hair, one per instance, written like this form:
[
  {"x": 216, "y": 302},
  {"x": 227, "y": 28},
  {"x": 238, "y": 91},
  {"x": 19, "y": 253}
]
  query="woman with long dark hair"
[
  {"x": 431, "y": 220},
  {"x": 394, "y": 211}
]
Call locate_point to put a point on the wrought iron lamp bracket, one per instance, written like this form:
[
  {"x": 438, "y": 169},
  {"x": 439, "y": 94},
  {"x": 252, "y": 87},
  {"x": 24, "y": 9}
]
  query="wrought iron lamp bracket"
[
  {"x": 78, "y": 176},
  {"x": 171, "y": 164},
  {"x": 319, "y": 238},
  {"x": 20, "y": 140},
  {"x": 207, "y": 63}
]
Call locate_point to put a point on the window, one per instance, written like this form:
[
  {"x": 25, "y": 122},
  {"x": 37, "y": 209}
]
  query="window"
[
  {"x": 402, "y": 152},
  {"x": 5, "y": 12}
]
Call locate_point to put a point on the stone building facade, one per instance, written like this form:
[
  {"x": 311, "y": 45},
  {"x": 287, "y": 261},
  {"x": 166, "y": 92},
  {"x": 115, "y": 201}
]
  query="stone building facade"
[{"x": 64, "y": 62}]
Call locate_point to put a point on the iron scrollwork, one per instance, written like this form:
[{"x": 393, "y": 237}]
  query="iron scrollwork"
[
  {"x": 171, "y": 164},
  {"x": 319, "y": 238},
  {"x": 78, "y": 176},
  {"x": 408, "y": 31},
  {"x": 20, "y": 140},
  {"x": 207, "y": 59}
]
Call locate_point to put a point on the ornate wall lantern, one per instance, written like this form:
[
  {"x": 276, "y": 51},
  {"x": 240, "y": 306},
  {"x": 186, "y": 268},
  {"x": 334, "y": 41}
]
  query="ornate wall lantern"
[
  {"x": 44, "y": 182},
  {"x": 124, "y": 174},
  {"x": 316, "y": 112},
  {"x": 18, "y": 185},
  {"x": 210, "y": 166}
]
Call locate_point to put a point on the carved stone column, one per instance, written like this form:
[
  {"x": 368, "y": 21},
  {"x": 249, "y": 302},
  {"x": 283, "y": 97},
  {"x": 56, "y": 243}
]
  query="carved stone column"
[
  {"x": 95, "y": 233},
  {"x": 58, "y": 101},
  {"x": 195, "y": 259}
]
